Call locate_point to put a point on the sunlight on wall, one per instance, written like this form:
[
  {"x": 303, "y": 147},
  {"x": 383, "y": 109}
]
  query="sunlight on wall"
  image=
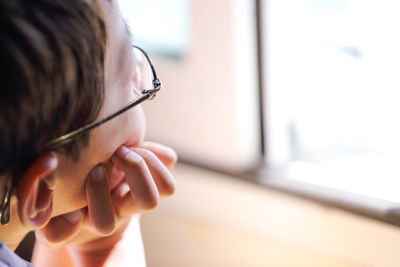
[{"x": 161, "y": 26}]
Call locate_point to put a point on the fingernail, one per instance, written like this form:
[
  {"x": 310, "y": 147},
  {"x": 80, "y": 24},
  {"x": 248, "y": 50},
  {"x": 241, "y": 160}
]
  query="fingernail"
[
  {"x": 73, "y": 217},
  {"x": 97, "y": 174},
  {"x": 172, "y": 154},
  {"x": 172, "y": 157},
  {"x": 122, "y": 151}
]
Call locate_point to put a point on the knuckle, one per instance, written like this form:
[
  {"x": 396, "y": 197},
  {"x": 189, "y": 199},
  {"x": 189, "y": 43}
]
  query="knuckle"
[
  {"x": 151, "y": 202},
  {"x": 169, "y": 189},
  {"x": 106, "y": 229},
  {"x": 104, "y": 223},
  {"x": 135, "y": 159},
  {"x": 146, "y": 153}
]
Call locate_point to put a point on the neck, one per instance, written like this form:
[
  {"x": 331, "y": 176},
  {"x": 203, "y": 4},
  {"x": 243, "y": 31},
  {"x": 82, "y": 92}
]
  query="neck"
[{"x": 13, "y": 233}]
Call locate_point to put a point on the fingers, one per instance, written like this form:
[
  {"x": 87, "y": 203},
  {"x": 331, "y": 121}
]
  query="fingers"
[
  {"x": 161, "y": 175},
  {"x": 143, "y": 194},
  {"x": 101, "y": 212},
  {"x": 136, "y": 177},
  {"x": 143, "y": 164},
  {"x": 114, "y": 174},
  {"x": 61, "y": 229},
  {"x": 166, "y": 154}
]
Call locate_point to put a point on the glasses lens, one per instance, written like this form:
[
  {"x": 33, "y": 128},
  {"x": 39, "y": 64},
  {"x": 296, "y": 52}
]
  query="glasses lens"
[{"x": 143, "y": 74}]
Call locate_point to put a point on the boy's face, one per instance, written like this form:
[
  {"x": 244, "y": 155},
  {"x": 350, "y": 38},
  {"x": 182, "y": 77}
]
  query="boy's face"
[{"x": 128, "y": 128}]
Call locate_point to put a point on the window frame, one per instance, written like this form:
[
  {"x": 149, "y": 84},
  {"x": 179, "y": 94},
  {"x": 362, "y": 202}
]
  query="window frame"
[{"x": 276, "y": 178}]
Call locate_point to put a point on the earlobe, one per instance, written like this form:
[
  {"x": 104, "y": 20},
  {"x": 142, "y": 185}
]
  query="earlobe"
[{"x": 35, "y": 191}]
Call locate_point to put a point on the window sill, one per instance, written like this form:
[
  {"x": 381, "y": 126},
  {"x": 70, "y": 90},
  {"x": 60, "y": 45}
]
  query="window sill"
[{"x": 217, "y": 220}]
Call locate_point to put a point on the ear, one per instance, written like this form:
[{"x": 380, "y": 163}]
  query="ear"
[{"x": 35, "y": 191}]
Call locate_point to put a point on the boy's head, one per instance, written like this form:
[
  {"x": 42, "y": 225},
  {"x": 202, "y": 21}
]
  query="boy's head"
[
  {"x": 52, "y": 74},
  {"x": 63, "y": 64}
]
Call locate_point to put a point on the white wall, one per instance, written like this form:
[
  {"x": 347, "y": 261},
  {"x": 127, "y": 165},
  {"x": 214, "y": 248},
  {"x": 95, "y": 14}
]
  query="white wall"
[{"x": 208, "y": 107}]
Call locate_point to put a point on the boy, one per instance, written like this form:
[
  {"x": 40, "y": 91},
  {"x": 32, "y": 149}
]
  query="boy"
[{"x": 64, "y": 65}]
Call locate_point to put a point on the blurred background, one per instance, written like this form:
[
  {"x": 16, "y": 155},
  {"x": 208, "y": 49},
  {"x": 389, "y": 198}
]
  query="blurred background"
[{"x": 284, "y": 114}]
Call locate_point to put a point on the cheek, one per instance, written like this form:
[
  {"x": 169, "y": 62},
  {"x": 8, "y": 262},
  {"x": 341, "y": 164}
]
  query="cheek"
[
  {"x": 135, "y": 127},
  {"x": 127, "y": 129},
  {"x": 69, "y": 193}
]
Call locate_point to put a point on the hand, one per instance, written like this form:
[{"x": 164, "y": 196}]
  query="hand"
[{"x": 130, "y": 183}]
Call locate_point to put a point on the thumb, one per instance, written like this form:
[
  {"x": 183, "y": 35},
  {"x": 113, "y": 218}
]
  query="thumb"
[{"x": 60, "y": 229}]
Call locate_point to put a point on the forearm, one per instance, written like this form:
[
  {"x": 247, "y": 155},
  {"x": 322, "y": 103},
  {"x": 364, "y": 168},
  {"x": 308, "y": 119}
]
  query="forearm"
[
  {"x": 120, "y": 249},
  {"x": 44, "y": 256}
]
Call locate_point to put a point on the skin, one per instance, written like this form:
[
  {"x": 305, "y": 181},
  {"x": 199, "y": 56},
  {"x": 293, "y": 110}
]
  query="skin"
[
  {"x": 92, "y": 205},
  {"x": 94, "y": 238},
  {"x": 128, "y": 128}
]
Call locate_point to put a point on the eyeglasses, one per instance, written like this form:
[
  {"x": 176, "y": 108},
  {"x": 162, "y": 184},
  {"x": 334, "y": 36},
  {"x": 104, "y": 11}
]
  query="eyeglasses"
[{"x": 145, "y": 86}]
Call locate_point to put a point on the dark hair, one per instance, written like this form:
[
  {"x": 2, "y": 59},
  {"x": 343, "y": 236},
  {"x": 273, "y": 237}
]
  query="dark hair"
[{"x": 51, "y": 75}]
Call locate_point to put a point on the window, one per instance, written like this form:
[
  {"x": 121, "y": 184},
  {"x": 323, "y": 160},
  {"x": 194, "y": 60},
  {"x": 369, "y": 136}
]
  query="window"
[
  {"x": 334, "y": 89},
  {"x": 327, "y": 72},
  {"x": 159, "y": 25}
]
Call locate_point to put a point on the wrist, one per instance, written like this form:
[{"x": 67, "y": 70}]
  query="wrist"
[
  {"x": 123, "y": 248},
  {"x": 93, "y": 243}
]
